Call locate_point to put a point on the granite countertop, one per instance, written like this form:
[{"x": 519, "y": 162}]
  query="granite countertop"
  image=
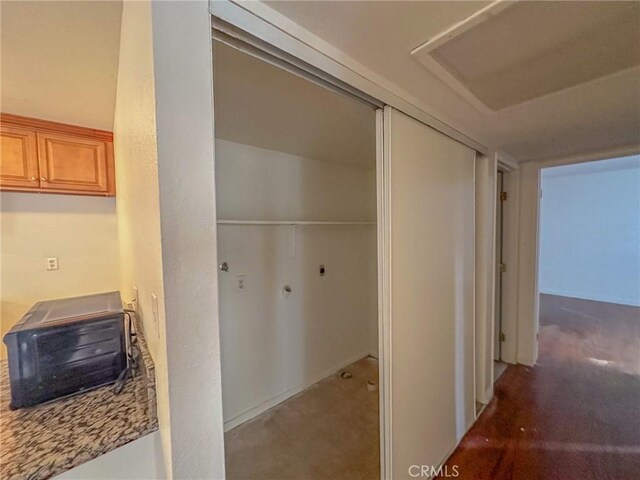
[{"x": 45, "y": 440}]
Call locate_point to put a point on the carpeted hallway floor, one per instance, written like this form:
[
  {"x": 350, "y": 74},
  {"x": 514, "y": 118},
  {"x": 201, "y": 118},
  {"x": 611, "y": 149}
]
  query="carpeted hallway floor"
[
  {"x": 329, "y": 431},
  {"x": 576, "y": 414}
]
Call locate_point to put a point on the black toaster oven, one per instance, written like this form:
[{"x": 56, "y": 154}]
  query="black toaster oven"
[{"x": 67, "y": 346}]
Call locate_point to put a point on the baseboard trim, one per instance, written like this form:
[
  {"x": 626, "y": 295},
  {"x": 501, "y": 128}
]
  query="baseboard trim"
[
  {"x": 272, "y": 402},
  {"x": 597, "y": 298}
]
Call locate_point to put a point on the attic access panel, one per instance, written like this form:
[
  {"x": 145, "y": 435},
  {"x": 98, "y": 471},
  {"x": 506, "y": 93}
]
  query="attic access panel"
[{"x": 509, "y": 53}]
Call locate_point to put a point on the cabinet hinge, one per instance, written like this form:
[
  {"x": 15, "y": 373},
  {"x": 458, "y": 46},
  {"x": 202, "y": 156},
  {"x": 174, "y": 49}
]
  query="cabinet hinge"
[
  {"x": 502, "y": 267},
  {"x": 502, "y": 337},
  {"x": 503, "y": 196}
]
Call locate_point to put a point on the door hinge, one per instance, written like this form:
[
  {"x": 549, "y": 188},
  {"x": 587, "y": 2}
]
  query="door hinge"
[
  {"x": 502, "y": 267},
  {"x": 502, "y": 337},
  {"x": 503, "y": 196}
]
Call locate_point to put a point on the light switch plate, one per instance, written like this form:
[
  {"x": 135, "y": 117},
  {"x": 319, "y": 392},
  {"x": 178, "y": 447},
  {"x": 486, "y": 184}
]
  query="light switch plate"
[
  {"x": 136, "y": 299},
  {"x": 154, "y": 309}
]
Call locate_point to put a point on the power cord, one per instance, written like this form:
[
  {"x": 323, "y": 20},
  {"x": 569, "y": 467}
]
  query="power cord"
[{"x": 133, "y": 354}]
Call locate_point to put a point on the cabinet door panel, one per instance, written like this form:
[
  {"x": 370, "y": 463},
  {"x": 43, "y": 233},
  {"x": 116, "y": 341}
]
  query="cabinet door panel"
[
  {"x": 18, "y": 158},
  {"x": 73, "y": 163}
]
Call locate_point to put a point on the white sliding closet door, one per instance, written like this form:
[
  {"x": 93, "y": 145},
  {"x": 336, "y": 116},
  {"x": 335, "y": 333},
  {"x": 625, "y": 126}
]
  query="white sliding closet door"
[{"x": 430, "y": 183}]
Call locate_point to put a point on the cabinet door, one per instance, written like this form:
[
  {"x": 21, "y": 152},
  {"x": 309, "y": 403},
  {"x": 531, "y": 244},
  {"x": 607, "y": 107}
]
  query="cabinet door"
[
  {"x": 73, "y": 164},
  {"x": 18, "y": 158}
]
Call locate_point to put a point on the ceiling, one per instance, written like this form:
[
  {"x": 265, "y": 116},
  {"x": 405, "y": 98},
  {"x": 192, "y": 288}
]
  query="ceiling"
[
  {"x": 262, "y": 105},
  {"x": 590, "y": 41},
  {"x": 536, "y": 79},
  {"x": 59, "y": 60}
]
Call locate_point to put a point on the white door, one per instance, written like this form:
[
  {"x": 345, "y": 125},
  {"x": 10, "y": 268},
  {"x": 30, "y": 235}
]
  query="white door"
[{"x": 430, "y": 188}]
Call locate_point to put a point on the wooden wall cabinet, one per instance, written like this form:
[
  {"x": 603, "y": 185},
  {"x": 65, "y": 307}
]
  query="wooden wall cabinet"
[{"x": 50, "y": 157}]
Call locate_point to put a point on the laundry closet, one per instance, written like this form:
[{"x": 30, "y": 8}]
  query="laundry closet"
[{"x": 298, "y": 283}]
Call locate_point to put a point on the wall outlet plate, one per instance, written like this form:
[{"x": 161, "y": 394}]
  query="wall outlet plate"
[
  {"x": 241, "y": 283},
  {"x": 136, "y": 299},
  {"x": 52, "y": 263}
]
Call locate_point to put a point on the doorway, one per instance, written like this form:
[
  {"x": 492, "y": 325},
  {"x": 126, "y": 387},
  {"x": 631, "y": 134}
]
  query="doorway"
[
  {"x": 589, "y": 265},
  {"x": 296, "y": 201}
]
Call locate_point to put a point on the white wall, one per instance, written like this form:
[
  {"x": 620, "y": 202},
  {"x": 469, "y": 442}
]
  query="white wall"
[
  {"x": 184, "y": 123},
  {"x": 60, "y": 60},
  {"x": 138, "y": 197},
  {"x": 273, "y": 345},
  {"x": 81, "y": 231},
  {"x": 138, "y": 460},
  {"x": 590, "y": 231},
  {"x": 259, "y": 184}
]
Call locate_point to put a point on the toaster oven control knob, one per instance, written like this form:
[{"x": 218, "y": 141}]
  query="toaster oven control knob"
[{"x": 224, "y": 266}]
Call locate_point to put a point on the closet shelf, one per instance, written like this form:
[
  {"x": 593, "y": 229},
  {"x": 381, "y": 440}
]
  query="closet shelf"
[{"x": 287, "y": 222}]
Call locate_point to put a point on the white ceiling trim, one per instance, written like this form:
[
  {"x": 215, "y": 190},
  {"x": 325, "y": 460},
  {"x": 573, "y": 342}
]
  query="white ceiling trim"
[
  {"x": 277, "y": 30},
  {"x": 459, "y": 28},
  {"x": 422, "y": 53},
  {"x": 431, "y": 64}
]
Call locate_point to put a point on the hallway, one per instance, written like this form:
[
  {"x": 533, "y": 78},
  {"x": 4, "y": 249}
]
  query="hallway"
[{"x": 572, "y": 416}]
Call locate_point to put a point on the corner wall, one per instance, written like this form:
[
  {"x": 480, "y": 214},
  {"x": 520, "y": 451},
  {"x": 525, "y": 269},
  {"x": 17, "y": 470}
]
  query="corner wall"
[
  {"x": 183, "y": 73},
  {"x": 137, "y": 200}
]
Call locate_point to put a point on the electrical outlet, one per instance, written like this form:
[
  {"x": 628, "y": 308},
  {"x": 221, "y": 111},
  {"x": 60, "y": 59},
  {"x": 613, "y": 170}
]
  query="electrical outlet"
[
  {"x": 241, "y": 283},
  {"x": 52, "y": 263}
]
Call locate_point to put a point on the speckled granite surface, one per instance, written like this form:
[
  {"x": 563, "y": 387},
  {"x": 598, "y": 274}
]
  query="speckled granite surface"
[{"x": 42, "y": 441}]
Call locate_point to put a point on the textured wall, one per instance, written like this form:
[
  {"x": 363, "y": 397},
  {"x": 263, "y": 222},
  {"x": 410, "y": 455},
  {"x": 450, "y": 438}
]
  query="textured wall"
[
  {"x": 60, "y": 60},
  {"x": 590, "y": 231},
  {"x": 138, "y": 198}
]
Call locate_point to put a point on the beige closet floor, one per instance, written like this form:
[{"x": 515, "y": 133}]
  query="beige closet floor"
[{"x": 329, "y": 431}]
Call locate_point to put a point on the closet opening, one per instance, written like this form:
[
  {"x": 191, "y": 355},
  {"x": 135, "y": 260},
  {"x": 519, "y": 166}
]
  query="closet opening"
[{"x": 296, "y": 190}]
